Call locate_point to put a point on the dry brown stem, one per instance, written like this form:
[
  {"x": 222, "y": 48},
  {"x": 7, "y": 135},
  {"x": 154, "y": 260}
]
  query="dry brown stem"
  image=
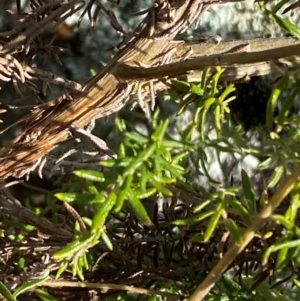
[
  {"x": 106, "y": 93},
  {"x": 150, "y": 45}
]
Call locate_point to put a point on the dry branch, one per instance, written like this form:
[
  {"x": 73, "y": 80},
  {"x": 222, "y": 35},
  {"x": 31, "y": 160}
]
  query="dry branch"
[
  {"x": 106, "y": 93},
  {"x": 151, "y": 45}
]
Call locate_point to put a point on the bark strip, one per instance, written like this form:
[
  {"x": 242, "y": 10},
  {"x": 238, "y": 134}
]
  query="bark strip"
[{"x": 150, "y": 49}]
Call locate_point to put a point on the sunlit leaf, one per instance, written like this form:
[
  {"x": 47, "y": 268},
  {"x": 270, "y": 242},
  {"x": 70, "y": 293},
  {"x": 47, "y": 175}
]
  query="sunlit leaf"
[
  {"x": 280, "y": 244},
  {"x": 83, "y": 198},
  {"x": 287, "y": 105},
  {"x": 101, "y": 215},
  {"x": 213, "y": 222},
  {"x": 91, "y": 175},
  {"x": 62, "y": 269},
  {"x": 139, "y": 208},
  {"x": 192, "y": 220},
  {"x": 276, "y": 176},
  {"x": 196, "y": 89},
  {"x": 180, "y": 85},
  {"x": 72, "y": 248},
  {"x": 284, "y": 23},
  {"x": 234, "y": 230},
  {"x": 137, "y": 162},
  {"x": 28, "y": 285},
  {"x": 241, "y": 210},
  {"x": 273, "y": 100},
  {"x": 107, "y": 241}
]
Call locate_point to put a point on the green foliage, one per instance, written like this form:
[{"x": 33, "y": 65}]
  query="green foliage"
[
  {"x": 284, "y": 23},
  {"x": 145, "y": 166},
  {"x": 154, "y": 164},
  {"x": 174, "y": 164},
  {"x": 207, "y": 97}
]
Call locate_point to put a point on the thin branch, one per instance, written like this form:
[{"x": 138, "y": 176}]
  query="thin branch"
[
  {"x": 111, "y": 286},
  {"x": 217, "y": 272},
  {"x": 48, "y": 125},
  {"x": 289, "y": 53}
]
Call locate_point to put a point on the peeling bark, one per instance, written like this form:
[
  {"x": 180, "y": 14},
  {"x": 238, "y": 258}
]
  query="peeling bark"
[{"x": 151, "y": 51}]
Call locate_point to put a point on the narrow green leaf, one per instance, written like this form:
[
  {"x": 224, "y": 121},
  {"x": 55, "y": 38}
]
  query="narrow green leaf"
[
  {"x": 276, "y": 176},
  {"x": 172, "y": 144},
  {"x": 122, "y": 151},
  {"x": 91, "y": 175},
  {"x": 218, "y": 117},
  {"x": 69, "y": 250},
  {"x": 292, "y": 211},
  {"x": 143, "y": 178},
  {"x": 192, "y": 220},
  {"x": 35, "y": 188},
  {"x": 83, "y": 198},
  {"x": 196, "y": 89},
  {"x": 160, "y": 187},
  {"x": 180, "y": 156},
  {"x": 287, "y": 105},
  {"x": 278, "y": 246},
  {"x": 279, "y": 5},
  {"x": 286, "y": 223},
  {"x": 121, "y": 197},
  {"x": 80, "y": 269},
  {"x": 197, "y": 238},
  {"x": 215, "y": 82},
  {"x": 84, "y": 260},
  {"x": 101, "y": 215},
  {"x": 234, "y": 230},
  {"x": 248, "y": 190},
  {"x": 180, "y": 85},
  {"x": 208, "y": 102},
  {"x": 21, "y": 263},
  {"x": 204, "y": 77},
  {"x": 137, "y": 162},
  {"x": 108, "y": 163},
  {"x": 4, "y": 291},
  {"x": 213, "y": 222},
  {"x": 230, "y": 284},
  {"x": 149, "y": 192},
  {"x": 92, "y": 188},
  {"x": 139, "y": 208},
  {"x": 273, "y": 100},
  {"x": 229, "y": 89},
  {"x": 77, "y": 269},
  {"x": 281, "y": 258},
  {"x": 45, "y": 296},
  {"x": 202, "y": 125},
  {"x": 242, "y": 211},
  {"x": 107, "y": 241},
  {"x": 28, "y": 285},
  {"x": 201, "y": 206},
  {"x": 160, "y": 131},
  {"x": 62, "y": 269},
  {"x": 197, "y": 113},
  {"x": 297, "y": 283},
  {"x": 268, "y": 163},
  {"x": 121, "y": 125},
  {"x": 285, "y": 24},
  {"x": 170, "y": 168},
  {"x": 183, "y": 104},
  {"x": 137, "y": 137}
]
